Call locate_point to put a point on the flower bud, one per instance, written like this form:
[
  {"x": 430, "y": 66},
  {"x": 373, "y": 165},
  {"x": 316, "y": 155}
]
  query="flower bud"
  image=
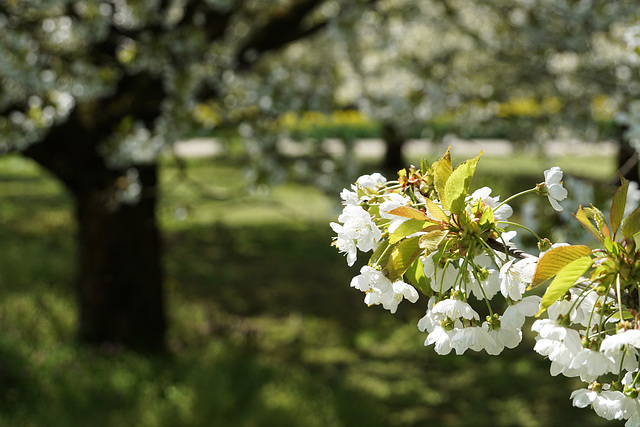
[{"x": 544, "y": 245}]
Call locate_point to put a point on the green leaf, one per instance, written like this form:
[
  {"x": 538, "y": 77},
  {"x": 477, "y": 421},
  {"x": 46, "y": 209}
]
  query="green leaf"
[
  {"x": 617, "y": 206},
  {"x": 625, "y": 314},
  {"x": 424, "y": 167},
  {"x": 601, "y": 223},
  {"x": 581, "y": 216},
  {"x": 487, "y": 217},
  {"x": 442, "y": 173},
  {"x": 564, "y": 280},
  {"x": 432, "y": 239},
  {"x": 380, "y": 256},
  {"x": 611, "y": 247},
  {"x": 631, "y": 224},
  {"x": 407, "y": 228},
  {"x": 457, "y": 185},
  {"x": 556, "y": 259},
  {"x": 415, "y": 275},
  {"x": 402, "y": 256},
  {"x": 435, "y": 212},
  {"x": 411, "y": 213}
]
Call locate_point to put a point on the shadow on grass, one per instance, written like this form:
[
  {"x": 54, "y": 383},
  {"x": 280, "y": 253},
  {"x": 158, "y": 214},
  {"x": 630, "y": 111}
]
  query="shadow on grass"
[
  {"x": 285, "y": 291},
  {"x": 265, "y": 331}
]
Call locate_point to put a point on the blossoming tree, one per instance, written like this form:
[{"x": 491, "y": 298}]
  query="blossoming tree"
[
  {"x": 94, "y": 91},
  {"x": 433, "y": 241}
]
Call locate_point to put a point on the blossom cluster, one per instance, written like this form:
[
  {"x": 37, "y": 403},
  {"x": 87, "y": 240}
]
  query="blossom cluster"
[{"x": 429, "y": 235}]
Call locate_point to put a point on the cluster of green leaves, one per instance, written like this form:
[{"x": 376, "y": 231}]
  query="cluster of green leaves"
[
  {"x": 614, "y": 268},
  {"x": 441, "y": 217}
]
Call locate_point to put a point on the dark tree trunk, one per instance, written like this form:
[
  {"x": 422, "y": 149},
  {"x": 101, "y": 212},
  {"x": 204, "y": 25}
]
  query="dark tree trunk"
[
  {"x": 627, "y": 156},
  {"x": 120, "y": 281},
  {"x": 120, "y": 273},
  {"x": 394, "y": 141}
]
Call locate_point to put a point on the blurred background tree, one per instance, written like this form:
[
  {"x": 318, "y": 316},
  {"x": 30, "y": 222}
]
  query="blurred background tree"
[
  {"x": 94, "y": 91},
  {"x": 528, "y": 71},
  {"x": 264, "y": 328}
]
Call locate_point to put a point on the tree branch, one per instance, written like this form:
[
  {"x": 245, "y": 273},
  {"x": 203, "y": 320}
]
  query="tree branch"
[{"x": 281, "y": 30}]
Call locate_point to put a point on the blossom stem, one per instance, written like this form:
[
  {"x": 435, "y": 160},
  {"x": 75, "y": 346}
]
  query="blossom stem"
[
  {"x": 522, "y": 193},
  {"x": 472, "y": 247},
  {"x": 624, "y": 353},
  {"x": 390, "y": 185},
  {"x": 619, "y": 296},
  {"x": 521, "y": 226},
  {"x": 635, "y": 379},
  {"x": 583, "y": 295},
  {"x": 490, "y": 252},
  {"x": 486, "y": 300},
  {"x": 383, "y": 254}
]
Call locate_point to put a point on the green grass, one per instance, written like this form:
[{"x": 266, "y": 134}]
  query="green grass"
[{"x": 265, "y": 330}]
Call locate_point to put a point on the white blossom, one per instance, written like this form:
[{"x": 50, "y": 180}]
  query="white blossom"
[
  {"x": 504, "y": 337},
  {"x": 487, "y": 287},
  {"x": 614, "y": 405},
  {"x": 559, "y": 344},
  {"x": 501, "y": 213},
  {"x": 590, "y": 364},
  {"x": 441, "y": 279},
  {"x": 617, "y": 343},
  {"x": 555, "y": 191},
  {"x": 371, "y": 181},
  {"x": 514, "y": 316},
  {"x": 349, "y": 198},
  {"x": 441, "y": 340},
  {"x": 357, "y": 231},
  {"x": 430, "y": 320},
  {"x": 583, "y": 397},
  {"x": 476, "y": 338},
  {"x": 380, "y": 290},
  {"x": 455, "y": 309},
  {"x": 345, "y": 244},
  {"x": 515, "y": 276}
]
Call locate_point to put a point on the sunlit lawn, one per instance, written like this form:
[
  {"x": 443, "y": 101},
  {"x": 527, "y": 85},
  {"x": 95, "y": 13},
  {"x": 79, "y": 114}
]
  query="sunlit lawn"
[{"x": 265, "y": 330}]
